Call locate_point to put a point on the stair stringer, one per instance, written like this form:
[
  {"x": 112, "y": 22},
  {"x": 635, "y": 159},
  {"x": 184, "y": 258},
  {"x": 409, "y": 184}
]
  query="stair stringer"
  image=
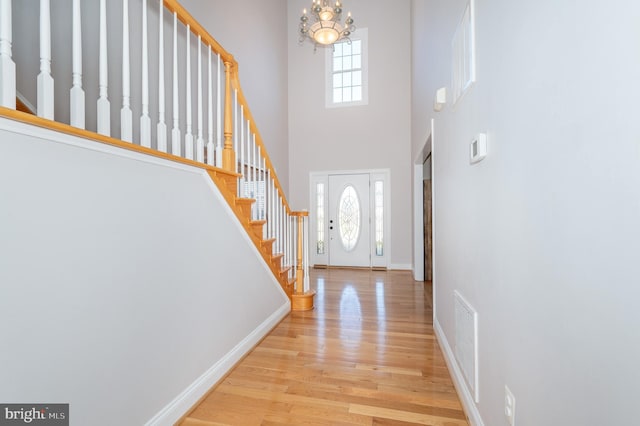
[{"x": 239, "y": 207}]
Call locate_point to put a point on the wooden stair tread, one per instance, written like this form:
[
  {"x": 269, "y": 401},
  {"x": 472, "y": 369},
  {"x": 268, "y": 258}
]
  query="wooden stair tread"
[
  {"x": 240, "y": 200},
  {"x": 266, "y": 243}
]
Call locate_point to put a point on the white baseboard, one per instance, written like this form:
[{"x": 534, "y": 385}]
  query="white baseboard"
[
  {"x": 470, "y": 407},
  {"x": 401, "y": 267},
  {"x": 190, "y": 396}
]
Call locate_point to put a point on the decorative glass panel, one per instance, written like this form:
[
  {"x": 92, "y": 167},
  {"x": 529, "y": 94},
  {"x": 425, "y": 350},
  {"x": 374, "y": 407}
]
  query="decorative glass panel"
[
  {"x": 379, "y": 217},
  {"x": 320, "y": 217},
  {"x": 349, "y": 218},
  {"x": 256, "y": 190}
]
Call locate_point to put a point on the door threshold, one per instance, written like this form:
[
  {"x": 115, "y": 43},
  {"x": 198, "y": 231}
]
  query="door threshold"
[{"x": 373, "y": 268}]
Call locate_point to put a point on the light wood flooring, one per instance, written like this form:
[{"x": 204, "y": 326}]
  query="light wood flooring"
[{"x": 366, "y": 355}]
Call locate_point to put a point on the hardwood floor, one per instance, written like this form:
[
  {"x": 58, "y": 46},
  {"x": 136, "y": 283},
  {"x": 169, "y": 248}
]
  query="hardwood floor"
[{"x": 366, "y": 355}]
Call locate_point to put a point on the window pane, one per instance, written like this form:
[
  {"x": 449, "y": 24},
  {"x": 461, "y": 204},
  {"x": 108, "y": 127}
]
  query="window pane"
[
  {"x": 346, "y": 80},
  {"x": 346, "y": 94},
  {"x": 357, "y": 61},
  {"x": 379, "y": 217},
  {"x": 337, "y": 95},
  {"x": 320, "y": 215},
  {"x": 356, "y": 93},
  {"x": 337, "y": 49},
  {"x": 346, "y": 49},
  {"x": 346, "y": 63},
  {"x": 337, "y": 64},
  {"x": 337, "y": 80},
  {"x": 356, "y": 47},
  {"x": 357, "y": 78}
]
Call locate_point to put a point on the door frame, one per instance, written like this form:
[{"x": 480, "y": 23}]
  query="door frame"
[
  {"x": 418, "y": 212},
  {"x": 322, "y": 177}
]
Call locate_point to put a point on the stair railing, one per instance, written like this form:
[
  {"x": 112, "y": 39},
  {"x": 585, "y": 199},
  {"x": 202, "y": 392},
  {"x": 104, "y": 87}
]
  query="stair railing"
[{"x": 225, "y": 141}]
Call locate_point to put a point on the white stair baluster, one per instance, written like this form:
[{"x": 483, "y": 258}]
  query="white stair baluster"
[
  {"x": 257, "y": 185},
  {"x": 7, "y": 66},
  {"x": 176, "y": 138},
  {"x": 265, "y": 234},
  {"x": 264, "y": 175},
  {"x": 161, "y": 126},
  {"x": 280, "y": 239},
  {"x": 104, "y": 108},
  {"x": 126, "y": 115},
  {"x": 188, "y": 137},
  {"x": 294, "y": 262},
  {"x": 268, "y": 203},
  {"x": 219, "y": 116},
  {"x": 235, "y": 125},
  {"x": 210, "y": 145},
  {"x": 274, "y": 200},
  {"x": 145, "y": 120},
  {"x": 305, "y": 253},
  {"x": 45, "y": 80},
  {"x": 277, "y": 222},
  {"x": 247, "y": 171},
  {"x": 200, "y": 138},
  {"x": 242, "y": 169},
  {"x": 76, "y": 95},
  {"x": 254, "y": 168},
  {"x": 288, "y": 239}
]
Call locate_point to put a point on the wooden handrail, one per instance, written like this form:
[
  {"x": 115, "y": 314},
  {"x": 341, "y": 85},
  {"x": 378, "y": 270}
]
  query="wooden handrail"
[
  {"x": 45, "y": 123},
  {"x": 235, "y": 82},
  {"x": 186, "y": 18}
]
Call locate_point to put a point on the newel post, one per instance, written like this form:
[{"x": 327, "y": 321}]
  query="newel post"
[
  {"x": 302, "y": 297},
  {"x": 228, "y": 155},
  {"x": 7, "y": 66}
]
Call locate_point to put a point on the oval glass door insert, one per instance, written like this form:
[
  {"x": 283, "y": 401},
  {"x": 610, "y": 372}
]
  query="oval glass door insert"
[{"x": 349, "y": 218}]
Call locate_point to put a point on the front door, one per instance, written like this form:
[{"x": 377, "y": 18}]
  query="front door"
[{"x": 349, "y": 220}]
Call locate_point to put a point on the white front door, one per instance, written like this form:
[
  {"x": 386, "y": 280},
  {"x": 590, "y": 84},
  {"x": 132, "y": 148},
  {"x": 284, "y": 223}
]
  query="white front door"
[{"x": 349, "y": 220}]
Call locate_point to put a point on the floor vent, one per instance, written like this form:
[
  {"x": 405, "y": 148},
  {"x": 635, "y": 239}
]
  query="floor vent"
[{"x": 466, "y": 342}]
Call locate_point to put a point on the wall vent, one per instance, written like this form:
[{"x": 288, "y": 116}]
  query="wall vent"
[{"x": 466, "y": 342}]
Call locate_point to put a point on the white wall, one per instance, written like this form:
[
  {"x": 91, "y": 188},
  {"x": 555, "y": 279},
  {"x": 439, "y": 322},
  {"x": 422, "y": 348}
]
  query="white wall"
[
  {"x": 375, "y": 136},
  {"x": 127, "y": 286},
  {"x": 542, "y": 237},
  {"x": 254, "y": 32}
]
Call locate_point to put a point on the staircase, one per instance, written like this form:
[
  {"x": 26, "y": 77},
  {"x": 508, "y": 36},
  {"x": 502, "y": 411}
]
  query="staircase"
[{"x": 220, "y": 134}]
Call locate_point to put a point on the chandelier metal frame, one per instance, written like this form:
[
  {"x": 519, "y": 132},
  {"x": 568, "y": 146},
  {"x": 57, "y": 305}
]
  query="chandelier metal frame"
[{"x": 323, "y": 24}]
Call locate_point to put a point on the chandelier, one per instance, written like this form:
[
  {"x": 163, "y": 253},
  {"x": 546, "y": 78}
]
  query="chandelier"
[{"x": 322, "y": 25}]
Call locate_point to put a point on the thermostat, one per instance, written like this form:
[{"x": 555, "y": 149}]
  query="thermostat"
[{"x": 478, "y": 148}]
